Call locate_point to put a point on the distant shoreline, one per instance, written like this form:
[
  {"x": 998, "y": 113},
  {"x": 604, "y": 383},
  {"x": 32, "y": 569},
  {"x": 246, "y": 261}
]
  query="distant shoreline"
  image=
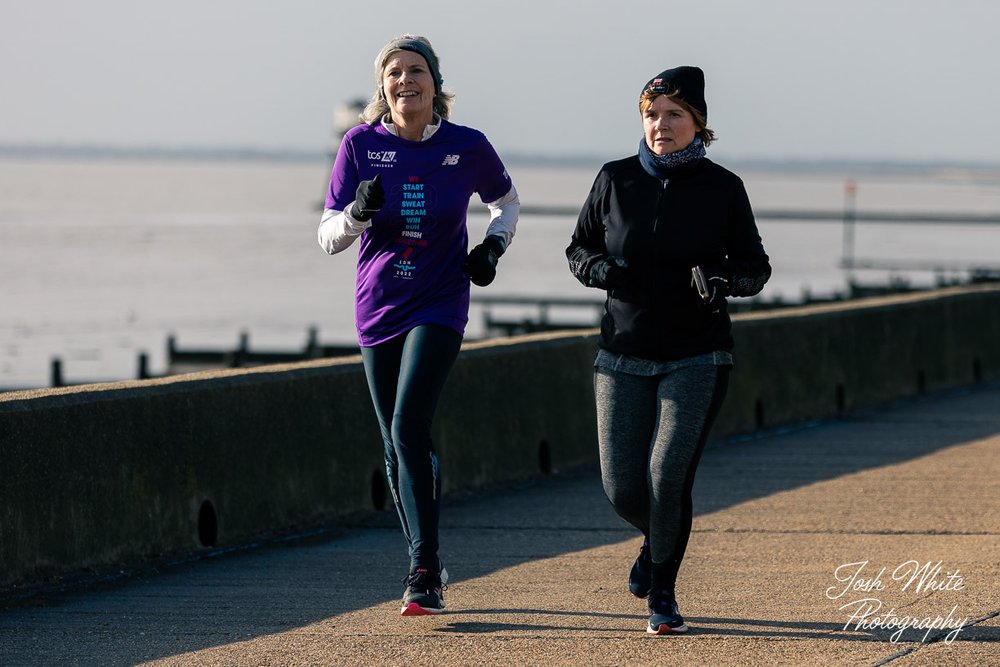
[
  {"x": 158, "y": 153},
  {"x": 513, "y": 158}
]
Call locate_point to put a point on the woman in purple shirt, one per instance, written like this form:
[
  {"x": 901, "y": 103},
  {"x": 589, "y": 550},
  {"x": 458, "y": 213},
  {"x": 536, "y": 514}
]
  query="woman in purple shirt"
[{"x": 402, "y": 183}]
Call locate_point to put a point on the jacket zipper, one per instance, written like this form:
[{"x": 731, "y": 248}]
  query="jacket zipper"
[{"x": 659, "y": 198}]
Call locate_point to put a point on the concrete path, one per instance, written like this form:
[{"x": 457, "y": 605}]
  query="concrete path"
[{"x": 793, "y": 532}]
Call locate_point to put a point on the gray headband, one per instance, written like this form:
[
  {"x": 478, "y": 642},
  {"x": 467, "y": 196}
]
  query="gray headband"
[{"x": 416, "y": 46}]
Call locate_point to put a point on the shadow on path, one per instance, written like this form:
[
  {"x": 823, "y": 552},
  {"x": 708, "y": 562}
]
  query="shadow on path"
[
  {"x": 294, "y": 583},
  {"x": 707, "y": 625}
]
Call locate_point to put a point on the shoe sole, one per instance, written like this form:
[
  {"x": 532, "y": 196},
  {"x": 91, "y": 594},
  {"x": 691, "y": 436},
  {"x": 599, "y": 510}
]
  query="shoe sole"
[
  {"x": 665, "y": 629},
  {"x": 413, "y": 609}
]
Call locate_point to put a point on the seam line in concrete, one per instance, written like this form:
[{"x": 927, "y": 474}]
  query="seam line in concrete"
[
  {"x": 941, "y": 634},
  {"x": 527, "y": 529},
  {"x": 767, "y": 531},
  {"x": 947, "y": 423},
  {"x": 895, "y": 656}
]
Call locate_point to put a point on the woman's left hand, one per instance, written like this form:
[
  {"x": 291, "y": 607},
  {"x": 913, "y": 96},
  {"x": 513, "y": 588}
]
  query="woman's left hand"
[
  {"x": 481, "y": 264},
  {"x": 712, "y": 285}
]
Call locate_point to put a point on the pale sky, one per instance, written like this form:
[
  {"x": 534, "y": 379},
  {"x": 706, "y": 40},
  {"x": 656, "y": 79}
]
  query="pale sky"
[{"x": 896, "y": 80}]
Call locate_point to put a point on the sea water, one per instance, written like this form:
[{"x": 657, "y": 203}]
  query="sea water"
[{"x": 101, "y": 260}]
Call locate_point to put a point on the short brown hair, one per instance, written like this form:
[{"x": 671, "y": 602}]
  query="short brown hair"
[{"x": 707, "y": 134}]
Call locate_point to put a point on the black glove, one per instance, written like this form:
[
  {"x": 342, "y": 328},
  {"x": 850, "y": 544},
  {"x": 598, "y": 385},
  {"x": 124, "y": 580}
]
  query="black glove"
[
  {"x": 368, "y": 199},
  {"x": 610, "y": 273},
  {"x": 481, "y": 264},
  {"x": 712, "y": 284}
]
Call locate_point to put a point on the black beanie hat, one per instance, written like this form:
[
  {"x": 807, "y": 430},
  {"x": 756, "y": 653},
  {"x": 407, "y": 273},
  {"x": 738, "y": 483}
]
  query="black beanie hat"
[{"x": 686, "y": 81}]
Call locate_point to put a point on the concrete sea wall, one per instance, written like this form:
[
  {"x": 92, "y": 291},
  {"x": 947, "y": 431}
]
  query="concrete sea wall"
[{"x": 95, "y": 476}]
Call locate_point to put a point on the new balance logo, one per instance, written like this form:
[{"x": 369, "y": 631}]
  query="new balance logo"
[
  {"x": 384, "y": 156},
  {"x": 451, "y": 159}
]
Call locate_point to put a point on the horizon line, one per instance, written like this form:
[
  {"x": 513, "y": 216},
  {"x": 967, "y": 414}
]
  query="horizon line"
[{"x": 252, "y": 153}]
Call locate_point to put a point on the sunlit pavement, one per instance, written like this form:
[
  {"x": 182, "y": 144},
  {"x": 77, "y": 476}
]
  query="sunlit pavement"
[{"x": 810, "y": 546}]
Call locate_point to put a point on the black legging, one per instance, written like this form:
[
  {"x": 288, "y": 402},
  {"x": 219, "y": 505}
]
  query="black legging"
[{"x": 406, "y": 376}]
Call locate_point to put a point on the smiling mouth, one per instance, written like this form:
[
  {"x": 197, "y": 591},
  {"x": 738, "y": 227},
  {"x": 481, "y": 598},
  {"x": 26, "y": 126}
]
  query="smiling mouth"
[{"x": 408, "y": 93}]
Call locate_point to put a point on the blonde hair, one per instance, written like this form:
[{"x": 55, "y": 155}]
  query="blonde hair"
[
  {"x": 707, "y": 135},
  {"x": 378, "y": 106}
]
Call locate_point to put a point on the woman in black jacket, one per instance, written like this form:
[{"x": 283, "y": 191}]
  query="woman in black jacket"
[{"x": 669, "y": 235}]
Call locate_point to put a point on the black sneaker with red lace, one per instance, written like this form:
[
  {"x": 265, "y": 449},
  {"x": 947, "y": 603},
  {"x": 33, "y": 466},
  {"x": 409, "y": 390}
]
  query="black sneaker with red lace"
[
  {"x": 424, "y": 592},
  {"x": 664, "y": 616}
]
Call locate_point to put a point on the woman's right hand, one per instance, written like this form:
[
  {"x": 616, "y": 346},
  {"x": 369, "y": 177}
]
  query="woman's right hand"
[
  {"x": 368, "y": 199},
  {"x": 609, "y": 273}
]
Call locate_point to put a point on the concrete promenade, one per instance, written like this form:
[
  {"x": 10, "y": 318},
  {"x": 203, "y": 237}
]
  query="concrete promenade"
[{"x": 792, "y": 530}]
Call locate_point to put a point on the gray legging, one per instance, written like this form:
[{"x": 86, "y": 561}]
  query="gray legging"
[{"x": 651, "y": 432}]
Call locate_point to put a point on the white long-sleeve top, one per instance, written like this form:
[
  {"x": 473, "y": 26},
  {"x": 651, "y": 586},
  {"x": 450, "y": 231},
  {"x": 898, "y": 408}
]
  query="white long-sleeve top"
[{"x": 338, "y": 229}]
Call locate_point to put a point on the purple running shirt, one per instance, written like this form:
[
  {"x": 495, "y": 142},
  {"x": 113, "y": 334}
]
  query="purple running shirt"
[{"x": 409, "y": 260}]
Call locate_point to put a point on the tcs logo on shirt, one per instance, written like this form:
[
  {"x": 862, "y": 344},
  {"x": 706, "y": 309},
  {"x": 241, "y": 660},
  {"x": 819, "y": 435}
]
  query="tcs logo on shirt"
[{"x": 380, "y": 158}]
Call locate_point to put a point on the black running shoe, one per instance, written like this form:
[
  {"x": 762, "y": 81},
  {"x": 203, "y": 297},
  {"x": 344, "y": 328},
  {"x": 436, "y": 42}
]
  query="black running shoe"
[
  {"x": 664, "y": 617},
  {"x": 640, "y": 578},
  {"x": 424, "y": 592}
]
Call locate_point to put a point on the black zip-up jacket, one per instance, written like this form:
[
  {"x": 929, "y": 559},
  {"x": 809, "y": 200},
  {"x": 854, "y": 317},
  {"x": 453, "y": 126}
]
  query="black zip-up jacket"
[{"x": 699, "y": 216}]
